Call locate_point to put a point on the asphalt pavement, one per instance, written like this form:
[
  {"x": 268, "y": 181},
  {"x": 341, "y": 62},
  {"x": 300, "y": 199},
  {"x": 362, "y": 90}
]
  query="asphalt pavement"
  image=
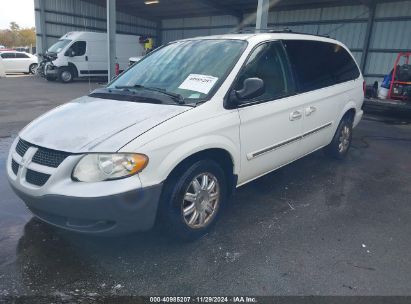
[{"x": 314, "y": 227}]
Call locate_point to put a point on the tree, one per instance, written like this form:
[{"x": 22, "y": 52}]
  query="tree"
[
  {"x": 16, "y": 36},
  {"x": 27, "y": 36},
  {"x": 14, "y": 27},
  {"x": 6, "y": 38}
]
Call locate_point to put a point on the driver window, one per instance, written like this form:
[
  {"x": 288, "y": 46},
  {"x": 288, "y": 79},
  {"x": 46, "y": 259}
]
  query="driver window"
[
  {"x": 268, "y": 62},
  {"x": 79, "y": 48}
]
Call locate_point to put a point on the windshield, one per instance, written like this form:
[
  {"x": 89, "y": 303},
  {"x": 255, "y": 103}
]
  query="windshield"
[
  {"x": 58, "y": 46},
  {"x": 190, "y": 69}
]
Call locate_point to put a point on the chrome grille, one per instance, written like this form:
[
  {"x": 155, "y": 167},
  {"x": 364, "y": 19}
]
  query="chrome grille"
[
  {"x": 36, "y": 178},
  {"x": 14, "y": 166}
]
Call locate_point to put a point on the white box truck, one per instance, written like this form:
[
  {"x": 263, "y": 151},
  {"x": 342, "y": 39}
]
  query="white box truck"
[{"x": 84, "y": 54}]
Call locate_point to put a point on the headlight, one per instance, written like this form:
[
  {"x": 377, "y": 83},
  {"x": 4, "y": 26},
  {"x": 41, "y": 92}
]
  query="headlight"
[{"x": 102, "y": 167}]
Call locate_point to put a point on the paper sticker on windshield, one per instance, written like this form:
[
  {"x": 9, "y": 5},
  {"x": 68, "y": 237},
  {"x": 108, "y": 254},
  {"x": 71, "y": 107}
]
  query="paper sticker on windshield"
[{"x": 198, "y": 83}]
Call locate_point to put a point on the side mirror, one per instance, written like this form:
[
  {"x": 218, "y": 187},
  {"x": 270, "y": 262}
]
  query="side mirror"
[{"x": 252, "y": 88}]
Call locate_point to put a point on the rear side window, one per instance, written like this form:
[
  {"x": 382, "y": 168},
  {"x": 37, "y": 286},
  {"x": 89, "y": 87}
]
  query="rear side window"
[
  {"x": 21, "y": 55},
  {"x": 320, "y": 64},
  {"x": 8, "y": 55}
]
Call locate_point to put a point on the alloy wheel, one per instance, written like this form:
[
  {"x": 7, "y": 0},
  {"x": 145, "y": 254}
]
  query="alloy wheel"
[
  {"x": 201, "y": 200},
  {"x": 33, "y": 69},
  {"x": 344, "y": 139},
  {"x": 66, "y": 76}
]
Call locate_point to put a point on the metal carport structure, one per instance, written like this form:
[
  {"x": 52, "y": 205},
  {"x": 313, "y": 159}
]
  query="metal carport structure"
[{"x": 374, "y": 30}]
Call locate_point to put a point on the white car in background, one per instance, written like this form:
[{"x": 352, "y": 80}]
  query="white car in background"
[{"x": 19, "y": 62}]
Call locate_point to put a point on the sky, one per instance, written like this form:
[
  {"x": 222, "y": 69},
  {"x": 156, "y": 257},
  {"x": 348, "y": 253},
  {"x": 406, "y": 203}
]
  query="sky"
[{"x": 20, "y": 11}]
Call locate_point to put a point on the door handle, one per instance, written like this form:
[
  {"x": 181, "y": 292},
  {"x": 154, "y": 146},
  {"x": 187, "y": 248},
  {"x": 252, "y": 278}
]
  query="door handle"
[
  {"x": 310, "y": 110},
  {"x": 295, "y": 115},
  {"x": 86, "y": 58}
]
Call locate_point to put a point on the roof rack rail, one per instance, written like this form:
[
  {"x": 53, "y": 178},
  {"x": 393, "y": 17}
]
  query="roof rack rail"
[
  {"x": 242, "y": 31},
  {"x": 288, "y": 30},
  {"x": 276, "y": 30}
]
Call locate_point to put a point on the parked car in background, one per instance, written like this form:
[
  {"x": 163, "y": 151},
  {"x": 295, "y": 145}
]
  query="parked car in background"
[
  {"x": 84, "y": 54},
  {"x": 19, "y": 62},
  {"x": 173, "y": 136},
  {"x": 2, "y": 72}
]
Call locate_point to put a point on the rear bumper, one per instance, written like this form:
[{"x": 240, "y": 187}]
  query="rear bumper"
[{"x": 109, "y": 215}]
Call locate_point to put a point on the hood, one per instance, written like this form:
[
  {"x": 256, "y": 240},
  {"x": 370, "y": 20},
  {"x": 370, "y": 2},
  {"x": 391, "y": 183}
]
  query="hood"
[{"x": 92, "y": 124}]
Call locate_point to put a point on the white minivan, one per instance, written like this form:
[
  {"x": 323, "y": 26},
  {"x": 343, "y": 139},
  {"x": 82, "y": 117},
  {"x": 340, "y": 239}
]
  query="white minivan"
[
  {"x": 172, "y": 137},
  {"x": 84, "y": 54}
]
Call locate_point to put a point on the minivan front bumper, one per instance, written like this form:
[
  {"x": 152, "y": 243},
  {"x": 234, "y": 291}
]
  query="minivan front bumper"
[
  {"x": 108, "y": 207},
  {"x": 109, "y": 215}
]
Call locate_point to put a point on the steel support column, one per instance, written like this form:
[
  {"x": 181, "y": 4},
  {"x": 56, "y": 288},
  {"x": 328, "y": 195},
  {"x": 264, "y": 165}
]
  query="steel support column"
[
  {"x": 368, "y": 34},
  {"x": 262, "y": 15},
  {"x": 159, "y": 34},
  {"x": 111, "y": 37},
  {"x": 42, "y": 48},
  {"x": 240, "y": 21}
]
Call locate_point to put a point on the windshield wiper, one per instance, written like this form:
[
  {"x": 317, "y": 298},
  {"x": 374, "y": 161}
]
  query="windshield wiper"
[{"x": 176, "y": 97}]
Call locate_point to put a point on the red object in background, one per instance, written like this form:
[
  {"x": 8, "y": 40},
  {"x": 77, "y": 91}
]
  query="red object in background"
[
  {"x": 117, "y": 69},
  {"x": 394, "y": 82}
]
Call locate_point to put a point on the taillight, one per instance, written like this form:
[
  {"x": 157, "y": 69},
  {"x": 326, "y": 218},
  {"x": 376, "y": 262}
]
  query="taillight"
[{"x": 364, "y": 87}]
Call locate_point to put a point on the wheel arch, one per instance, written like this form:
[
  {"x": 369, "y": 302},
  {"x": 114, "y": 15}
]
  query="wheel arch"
[
  {"x": 167, "y": 161},
  {"x": 74, "y": 68},
  {"x": 349, "y": 111},
  {"x": 219, "y": 155},
  {"x": 31, "y": 64}
]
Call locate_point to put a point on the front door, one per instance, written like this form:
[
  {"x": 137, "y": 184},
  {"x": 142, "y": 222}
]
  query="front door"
[
  {"x": 271, "y": 124},
  {"x": 78, "y": 56}
]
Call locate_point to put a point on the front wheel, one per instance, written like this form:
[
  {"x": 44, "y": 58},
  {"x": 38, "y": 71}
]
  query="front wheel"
[
  {"x": 192, "y": 201},
  {"x": 341, "y": 142},
  {"x": 65, "y": 75},
  {"x": 33, "y": 68}
]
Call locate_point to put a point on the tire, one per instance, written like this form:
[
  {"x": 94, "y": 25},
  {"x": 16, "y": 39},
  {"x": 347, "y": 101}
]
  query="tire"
[
  {"x": 65, "y": 75},
  {"x": 180, "y": 190},
  {"x": 33, "y": 68},
  {"x": 341, "y": 142}
]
